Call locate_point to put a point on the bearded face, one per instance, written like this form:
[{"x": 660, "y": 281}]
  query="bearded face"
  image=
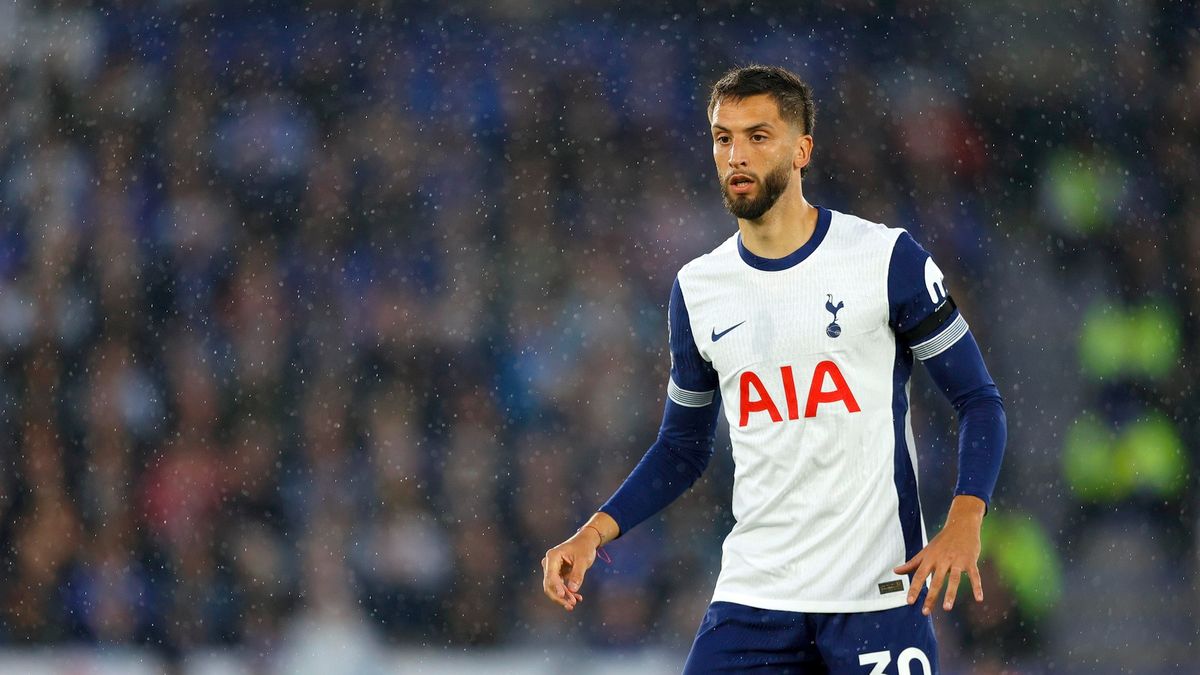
[{"x": 748, "y": 197}]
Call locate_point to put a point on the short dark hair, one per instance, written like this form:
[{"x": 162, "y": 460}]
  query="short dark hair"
[{"x": 791, "y": 94}]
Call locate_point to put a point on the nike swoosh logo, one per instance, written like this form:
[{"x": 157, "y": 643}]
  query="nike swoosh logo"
[{"x": 717, "y": 336}]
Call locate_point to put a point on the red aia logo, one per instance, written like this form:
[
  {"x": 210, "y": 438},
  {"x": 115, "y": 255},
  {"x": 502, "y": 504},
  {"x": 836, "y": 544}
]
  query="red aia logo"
[{"x": 816, "y": 393}]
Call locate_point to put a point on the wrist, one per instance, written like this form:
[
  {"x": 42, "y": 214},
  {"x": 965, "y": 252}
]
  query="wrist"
[
  {"x": 604, "y": 526},
  {"x": 967, "y": 507},
  {"x": 591, "y": 531}
]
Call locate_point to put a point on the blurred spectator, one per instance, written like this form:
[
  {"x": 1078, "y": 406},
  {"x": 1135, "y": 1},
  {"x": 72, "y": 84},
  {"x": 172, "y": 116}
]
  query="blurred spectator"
[{"x": 341, "y": 316}]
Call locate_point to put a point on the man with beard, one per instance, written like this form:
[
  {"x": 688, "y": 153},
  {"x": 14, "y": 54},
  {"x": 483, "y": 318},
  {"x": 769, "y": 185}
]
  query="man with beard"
[{"x": 806, "y": 322}]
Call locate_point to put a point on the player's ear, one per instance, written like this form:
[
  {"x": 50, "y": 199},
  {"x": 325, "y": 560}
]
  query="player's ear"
[{"x": 803, "y": 152}]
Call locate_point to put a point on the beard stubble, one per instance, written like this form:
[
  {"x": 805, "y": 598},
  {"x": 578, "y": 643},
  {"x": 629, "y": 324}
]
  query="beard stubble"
[{"x": 773, "y": 187}]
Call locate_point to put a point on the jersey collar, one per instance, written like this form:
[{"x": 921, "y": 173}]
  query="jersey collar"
[{"x": 795, "y": 257}]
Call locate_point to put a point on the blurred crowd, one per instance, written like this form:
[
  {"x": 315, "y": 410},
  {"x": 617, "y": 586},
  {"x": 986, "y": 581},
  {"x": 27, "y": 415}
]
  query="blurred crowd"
[{"x": 328, "y": 310}]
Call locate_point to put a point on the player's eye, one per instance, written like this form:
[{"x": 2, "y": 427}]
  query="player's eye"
[
  {"x": 758, "y": 137},
  {"x": 722, "y": 139}
]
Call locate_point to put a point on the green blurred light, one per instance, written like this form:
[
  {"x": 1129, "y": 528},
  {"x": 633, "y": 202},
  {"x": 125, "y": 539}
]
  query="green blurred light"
[
  {"x": 1151, "y": 453},
  {"x": 1143, "y": 342},
  {"x": 1084, "y": 189},
  {"x": 1102, "y": 341},
  {"x": 1025, "y": 559},
  {"x": 1088, "y": 463},
  {"x": 1154, "y": 339},
  {"x": 1148, "y": 455}
]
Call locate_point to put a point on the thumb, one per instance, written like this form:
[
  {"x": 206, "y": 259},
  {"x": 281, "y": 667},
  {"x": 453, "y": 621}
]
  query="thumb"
[
  {"x": 556, "y": 561},
  {"x": 575, "y": 578},
  {"x": 910, "y": 566}
]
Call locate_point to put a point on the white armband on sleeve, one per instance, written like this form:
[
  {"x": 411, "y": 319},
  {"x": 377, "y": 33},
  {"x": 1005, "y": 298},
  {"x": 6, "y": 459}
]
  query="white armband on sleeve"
[{"x": 688, "y": 399}]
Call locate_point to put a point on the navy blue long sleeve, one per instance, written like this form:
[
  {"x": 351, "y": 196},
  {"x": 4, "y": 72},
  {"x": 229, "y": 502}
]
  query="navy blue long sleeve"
[
  {"x": 685, "y": 439},
  {"x": 927, "y": 322},
  {"x": 960, "y": 374}
]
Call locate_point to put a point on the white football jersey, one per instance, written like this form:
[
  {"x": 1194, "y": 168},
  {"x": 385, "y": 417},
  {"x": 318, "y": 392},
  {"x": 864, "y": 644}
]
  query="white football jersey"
[{"x": 804, "y": 353}]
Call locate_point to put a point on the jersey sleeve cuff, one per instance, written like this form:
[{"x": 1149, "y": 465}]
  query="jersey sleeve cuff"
[
  {"x": 686, "y": 398},
  {"x": 942, "y": 340},
  {"x": 975, "y": 492},
  {"x": 612, "y": 512}
]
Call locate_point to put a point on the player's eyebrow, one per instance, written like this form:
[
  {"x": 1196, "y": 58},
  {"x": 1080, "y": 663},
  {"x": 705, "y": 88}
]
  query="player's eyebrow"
[{"x": 753, "y": 127}]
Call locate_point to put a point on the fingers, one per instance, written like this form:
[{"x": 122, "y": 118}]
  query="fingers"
[
  {"x": 918, "y": 582},
  {"x": 939, "y": 576},
  {"x": 950, "y": 554},
  {"x": 575, "y": 578},
  {"x": 976, "y": 582},
  {"x": 557, "y": 570},
  {"x": 935, "y": 589},
  {"x": 552, "y": 583},
  {"x": 908, "y": 568},
  {"x": 548, "y": 583},
  {"x": 572, "y": 579},
  {"x": 952, "y": 588}
]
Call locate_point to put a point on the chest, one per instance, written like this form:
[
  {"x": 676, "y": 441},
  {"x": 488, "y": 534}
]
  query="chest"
[{"x": 793, "y": 316}]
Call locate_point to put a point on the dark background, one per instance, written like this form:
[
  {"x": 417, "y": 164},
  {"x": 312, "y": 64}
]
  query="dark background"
[{"x": 343, "y": 313}]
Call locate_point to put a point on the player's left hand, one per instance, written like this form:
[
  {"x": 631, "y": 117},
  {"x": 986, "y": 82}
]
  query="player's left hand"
[{"x": 954, "y": 551}]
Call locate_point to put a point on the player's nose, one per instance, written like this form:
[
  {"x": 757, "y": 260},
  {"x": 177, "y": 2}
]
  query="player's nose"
[{"x": 737, "y": 157}]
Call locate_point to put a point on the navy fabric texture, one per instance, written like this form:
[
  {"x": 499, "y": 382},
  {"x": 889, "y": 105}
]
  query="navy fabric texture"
[
  {"x": 689, "y": 370},
  {"x": 959, "y": 372},
  {"x": 908, "y": 295},
  {"x": 736, "y": 638},
  {"x": 904, "y": 475}
]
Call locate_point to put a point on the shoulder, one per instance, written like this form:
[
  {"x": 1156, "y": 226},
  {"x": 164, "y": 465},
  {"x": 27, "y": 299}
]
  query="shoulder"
[
  {"x": 849, "y": 230},
  {"x": 909, "y": 267}
]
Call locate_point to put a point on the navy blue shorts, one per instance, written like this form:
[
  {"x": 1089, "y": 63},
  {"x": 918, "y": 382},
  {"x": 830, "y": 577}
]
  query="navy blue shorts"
[{"x": 737, "y": 638}]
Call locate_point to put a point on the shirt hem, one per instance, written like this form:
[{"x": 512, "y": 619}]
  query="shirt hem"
[{"x": 813, "y": 606}]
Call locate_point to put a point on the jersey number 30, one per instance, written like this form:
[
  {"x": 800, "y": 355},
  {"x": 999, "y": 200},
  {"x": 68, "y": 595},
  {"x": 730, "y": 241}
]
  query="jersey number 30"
[{"x": 881, "y": 660}]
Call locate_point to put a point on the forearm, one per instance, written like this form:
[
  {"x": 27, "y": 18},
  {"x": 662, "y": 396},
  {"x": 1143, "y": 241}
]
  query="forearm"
[
  {"x": 982, "y": 433},
  {"x": 982, "y": 430}
]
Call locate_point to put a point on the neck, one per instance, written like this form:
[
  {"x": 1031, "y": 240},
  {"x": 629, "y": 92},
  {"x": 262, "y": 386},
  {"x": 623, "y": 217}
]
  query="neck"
[{"x": 782, "y": 229}]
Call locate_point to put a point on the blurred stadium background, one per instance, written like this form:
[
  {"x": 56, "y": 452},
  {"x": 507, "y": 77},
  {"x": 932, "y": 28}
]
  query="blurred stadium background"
[{"x": 321, "y": 321}]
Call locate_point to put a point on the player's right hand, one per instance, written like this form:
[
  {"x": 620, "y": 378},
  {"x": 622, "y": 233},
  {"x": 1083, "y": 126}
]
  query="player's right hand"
[{"x": 564, "y": 566}]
